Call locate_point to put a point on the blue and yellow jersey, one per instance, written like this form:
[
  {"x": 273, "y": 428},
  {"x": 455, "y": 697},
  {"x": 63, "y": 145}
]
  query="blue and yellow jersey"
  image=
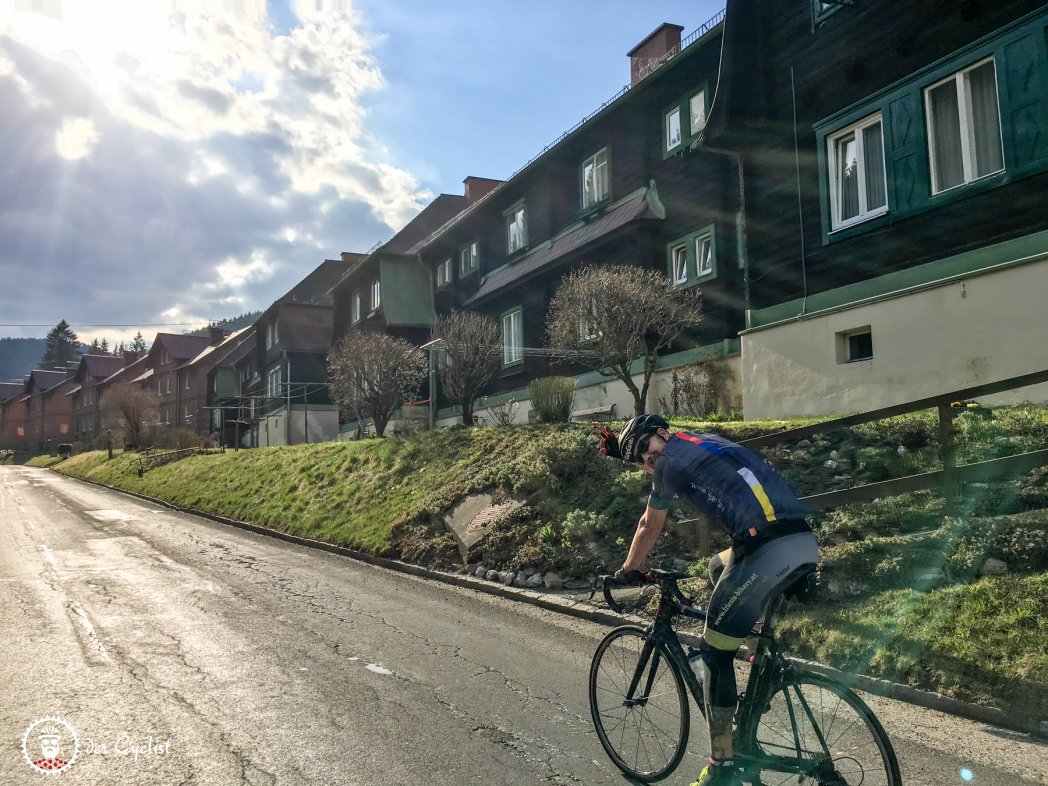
[{"x": 724, "y": 481}]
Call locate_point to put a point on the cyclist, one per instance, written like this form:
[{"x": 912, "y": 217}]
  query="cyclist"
[{"x": 770, "y": 543}]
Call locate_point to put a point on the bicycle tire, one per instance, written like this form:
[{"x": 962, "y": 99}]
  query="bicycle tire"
[
  {"x": 819, "y": 709},
  {"x": 645, "y": 740}
]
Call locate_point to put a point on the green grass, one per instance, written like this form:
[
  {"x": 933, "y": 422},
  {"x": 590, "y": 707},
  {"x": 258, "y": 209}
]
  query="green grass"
[
  {"x": 43, "y": 461},
  {"x": 908, "y": 602}
]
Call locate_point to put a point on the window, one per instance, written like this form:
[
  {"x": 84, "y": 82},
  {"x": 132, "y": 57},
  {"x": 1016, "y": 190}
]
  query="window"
[
  {"x": 273, "y": 383},
  {"x": 444, "y": 273},
  {"x": 588, "y": 322},
  {"x": 697, "y": 112},
  {"x": 856, "y": 165},
  {"x": 673, "y": 137},
  {"x": 679, "y": 264},
  {"x": 512, "y": 337},
  {"x": 704, "y": 254},
  {"x": 185, "y": 412},
  {"x": 188, "y": 376},
  {"x": 516, "y": 228},
  {"x": 468, "y": 259},
  {"x": 964, "y": 127},
  {"x": 596, "y": 185},
  {"x": 692, "y": 258},
  {"x": 376, "y": 294},
  {"x": 167, "y": 384},
  {"x": 357, "y": 306},
  {"x": 164, "y": 357},
  {"x": 272, "y": 336},
  {"x": 854, "y": 345}
]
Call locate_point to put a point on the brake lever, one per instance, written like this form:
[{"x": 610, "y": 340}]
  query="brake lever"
[{"x": 598, "y": 570}]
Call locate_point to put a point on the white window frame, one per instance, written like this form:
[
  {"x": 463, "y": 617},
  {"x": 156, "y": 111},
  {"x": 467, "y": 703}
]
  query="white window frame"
[
  {"x": 356, "y": 306},
  {"x": 704, "y": 261},
  {"x": 967, "y": 130},
  {"x": 679, "y": 261},
  {"x": 469, "y": 259},
  {"x": 516, "y": 218},
  {"x": 513, "y": 337},
  {"x": 168, "y": 384},
  {"x": 600, "y": 189},
  {"x": 188, "y": 375},
  {"x": 700, "y": 97},
  {"x": 673, "y": 118},
  {"x": 376, "y": 294},
  {"x": 273, "y": 382},
  {"x": 444, "y": 273},
  {"x": 836, "y": 187}
]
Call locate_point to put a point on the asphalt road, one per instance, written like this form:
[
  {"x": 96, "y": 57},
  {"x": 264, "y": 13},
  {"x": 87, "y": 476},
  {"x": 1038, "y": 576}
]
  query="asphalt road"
[{"x": 186, "y": 652}]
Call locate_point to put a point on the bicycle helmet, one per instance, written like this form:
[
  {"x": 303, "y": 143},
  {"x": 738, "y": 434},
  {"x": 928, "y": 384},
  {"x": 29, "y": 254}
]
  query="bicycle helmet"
[{"x": 633, "y": 433}]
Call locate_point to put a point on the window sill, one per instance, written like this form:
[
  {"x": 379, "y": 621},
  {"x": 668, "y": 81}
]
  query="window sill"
[
  {"x": 509, "y": 369},
  {"x": 594, "y": 211},
  {"x": 374, "y": 312},
  {"x": 859, "y": 220}
]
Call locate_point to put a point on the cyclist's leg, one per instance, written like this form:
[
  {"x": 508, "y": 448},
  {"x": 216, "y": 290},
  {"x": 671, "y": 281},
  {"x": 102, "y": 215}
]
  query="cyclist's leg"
[{"x": 739, "y": 599}]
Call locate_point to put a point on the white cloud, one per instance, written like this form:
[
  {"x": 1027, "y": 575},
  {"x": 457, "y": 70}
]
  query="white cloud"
[
  {"x": 218, "y": 158},
  {"x": 76, "y": 138}
]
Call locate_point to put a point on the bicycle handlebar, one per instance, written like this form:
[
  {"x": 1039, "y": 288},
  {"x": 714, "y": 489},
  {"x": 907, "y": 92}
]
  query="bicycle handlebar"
[{"x": 665, "y": 579}]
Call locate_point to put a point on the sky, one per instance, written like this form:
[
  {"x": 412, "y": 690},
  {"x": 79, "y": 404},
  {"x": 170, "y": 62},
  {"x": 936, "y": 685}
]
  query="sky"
[{"x": 171, "y": 162}]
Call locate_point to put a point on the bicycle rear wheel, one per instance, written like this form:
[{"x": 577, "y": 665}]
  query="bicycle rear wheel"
[
  {"x": 639, "y": 704},
  {"x": 828, "y": 732}
]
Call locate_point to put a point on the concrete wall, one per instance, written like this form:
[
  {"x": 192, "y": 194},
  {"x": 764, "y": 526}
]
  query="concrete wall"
[{"x": 968, "y": 332}]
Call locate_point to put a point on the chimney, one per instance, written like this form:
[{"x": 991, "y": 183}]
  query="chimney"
[
  {"x": 476, "y": 187},
  {"x": 351, "y": 257},
  {"x": 130, "y": 356},
  {"x": 215, "y": 335},
  {"x": 658, "y": 46}
]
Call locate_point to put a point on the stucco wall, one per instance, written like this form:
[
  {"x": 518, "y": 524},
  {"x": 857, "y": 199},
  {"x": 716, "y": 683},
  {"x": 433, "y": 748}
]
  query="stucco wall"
[{"x": 969, "y": 332}]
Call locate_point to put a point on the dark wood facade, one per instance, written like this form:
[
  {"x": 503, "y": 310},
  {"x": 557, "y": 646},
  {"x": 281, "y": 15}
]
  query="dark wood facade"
[{"x": 800, "y": 74}]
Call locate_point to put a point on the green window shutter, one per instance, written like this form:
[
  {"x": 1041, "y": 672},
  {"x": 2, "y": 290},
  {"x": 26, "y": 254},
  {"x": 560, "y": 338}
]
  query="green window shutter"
[
  {"x": 1023, "y": 93},
  {"x": 904, "y": 153}
]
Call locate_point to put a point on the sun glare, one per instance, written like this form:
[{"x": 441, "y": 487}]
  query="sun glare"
[{"x": 76, "y": 138}]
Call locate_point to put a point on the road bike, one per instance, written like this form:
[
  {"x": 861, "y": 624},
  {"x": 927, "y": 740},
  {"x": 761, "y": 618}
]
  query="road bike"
[{"x": 793, "y": 726}]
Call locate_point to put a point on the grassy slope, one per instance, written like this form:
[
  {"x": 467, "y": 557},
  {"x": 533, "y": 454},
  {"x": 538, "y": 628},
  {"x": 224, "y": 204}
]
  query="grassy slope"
[{"x": 906, "y": 604}]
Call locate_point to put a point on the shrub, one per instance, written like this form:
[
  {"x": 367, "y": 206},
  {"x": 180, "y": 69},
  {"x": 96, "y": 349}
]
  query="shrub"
[
  {"x": 502, "y": 413},
  {"x": 697, "y": 390},
  {"x": 552, "y": 398}
]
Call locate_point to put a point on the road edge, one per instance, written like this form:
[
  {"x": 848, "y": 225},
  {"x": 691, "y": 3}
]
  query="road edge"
[{"x": 586, "y": 611}]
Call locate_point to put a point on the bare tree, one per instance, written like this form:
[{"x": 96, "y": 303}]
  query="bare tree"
[
  {"x": 470, "y": 356},
  {"x": 129, "y": 410},
  {"x": 372, "y": 374},
  {"x": 613, "y": 316}
]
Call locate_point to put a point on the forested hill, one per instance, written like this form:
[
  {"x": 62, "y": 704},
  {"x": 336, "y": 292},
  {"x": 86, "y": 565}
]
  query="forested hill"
[{"x": 19, "y": 356}]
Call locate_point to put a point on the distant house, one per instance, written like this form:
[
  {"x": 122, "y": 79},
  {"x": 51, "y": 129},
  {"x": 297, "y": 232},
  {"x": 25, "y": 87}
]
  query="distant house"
[
  {"x": 12, "y": 415},
  {"x": 178, "y": 393},
  {"x": 86, "y": 394},
  {"x": 896, "y": 162},
  {"x": 232, "y": 412},
  {"x": 49, "y": 413},
  {"x": 283, "y": 377}
]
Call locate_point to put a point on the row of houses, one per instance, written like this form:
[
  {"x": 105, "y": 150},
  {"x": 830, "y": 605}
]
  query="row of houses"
[{"x": 855, "y": 186}]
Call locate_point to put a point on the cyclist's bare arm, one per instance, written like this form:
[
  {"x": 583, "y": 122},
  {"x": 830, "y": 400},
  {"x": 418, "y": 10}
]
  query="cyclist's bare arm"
[{"x": 648, "y": 530}]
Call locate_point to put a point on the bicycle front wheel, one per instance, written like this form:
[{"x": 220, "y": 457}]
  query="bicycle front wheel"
[
  {"x": 639, "y": 704},
  {"x": 825, "y": 732}
]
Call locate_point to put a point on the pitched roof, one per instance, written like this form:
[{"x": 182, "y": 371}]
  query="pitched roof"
[
  {"x": 643, "y": 203},
  {"x": 216, "y": 351},
  {"x": 127, "y": 373},
  {"x": 98, "y": 366},
  {"x": 44, "y": 379},
  {"x": 10, "y": 389},
  {"x": 178, "y": 345},
  {"x": 410, "y": 238}
]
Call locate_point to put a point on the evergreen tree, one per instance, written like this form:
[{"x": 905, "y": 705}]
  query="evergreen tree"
[
  {"x": 93, "y": 348},
  {"x": 118, "y": 350},
  {"x": 138, "y": 344},
  {"x": 103, "y": 347},
  {"x": 62, "y": 346}
]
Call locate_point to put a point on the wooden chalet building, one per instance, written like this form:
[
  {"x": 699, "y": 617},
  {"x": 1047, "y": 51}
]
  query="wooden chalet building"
[
  {"x": 12, "y": 415},
  {"x": 896, "y": 162},
  {"x": 86, "y": 394},
  {"x": 49, "y": 411},
  {"x": 626, "y": 186},
  {"x": 283, "y": 376},
  {"x": 232, "y": 413},
  {"x": 177, "y": 392}
]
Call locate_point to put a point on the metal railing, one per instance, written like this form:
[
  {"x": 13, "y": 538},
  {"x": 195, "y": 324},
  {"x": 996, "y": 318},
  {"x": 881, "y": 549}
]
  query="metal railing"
[{"x": 949, "y": 406}]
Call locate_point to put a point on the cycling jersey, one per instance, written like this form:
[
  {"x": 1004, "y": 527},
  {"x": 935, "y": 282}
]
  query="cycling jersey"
[{"x": 724, "y": 481}]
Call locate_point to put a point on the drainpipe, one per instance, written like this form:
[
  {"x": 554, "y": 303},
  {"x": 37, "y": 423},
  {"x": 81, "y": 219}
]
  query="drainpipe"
[{"x": 287, "y": 427}]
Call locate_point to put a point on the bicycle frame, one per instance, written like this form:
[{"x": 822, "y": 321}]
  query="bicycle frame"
[{"x": 768, "y": 667}]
